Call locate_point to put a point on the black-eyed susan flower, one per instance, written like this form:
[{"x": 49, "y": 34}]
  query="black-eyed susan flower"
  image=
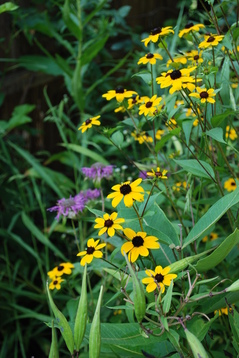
[
  {"x": 119, "y": 93},
  {"x": 92, "y": 251},
  {"x": 150, "y": 105},
  {"x": 56, "y": 283},
  {"x": 230, "y": 185},
  {"x": 190, "y": 27},
  {"x": 211, "y": 237},
  {"x": 63, "y": 268},
  {"x": 158, "y": 278},
  {"x": 127, "y": 191},
  {"x": 156, "y": 33},
  {"x": 138, "y": 244},
  {"x": 177, "y": 79},
  {"x": 109, "y": 223},
  {"x": 231, "y": 133},
  {"x": 195, "y": 57},
  {"x": 89, "y": 123},
  {"x": 133, "y": 101},
  {"x": 120, "y": 109},
  {"x": 159, "y": 134},
  {"x": 177, "y": 59},
  {"x": 222, "y": 311},
  {"x": 158, "y": 173},
  {"x": 150, "y": 58},
  {"x": 171, "y": 124},
  {"x": 179, "y": 185},
  {"x": 205, "y": 95},
  {"x": 142, "y": 137},
  {"x": 210, "y": 40}
]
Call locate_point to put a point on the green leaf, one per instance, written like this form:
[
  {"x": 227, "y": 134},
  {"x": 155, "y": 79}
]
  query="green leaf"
[
  {"x": 54, "y": 347},
  {"x": 65, "y": 329},
  {"x": 212, "y": 216},
  {"x": 118, "y": 138},
  {"x": 87, "y": 152},
  {"x": 92, "y": 49},
  {"x": 40, "y": 63},
  {"x": 218, "y": 119},
  {"x": 198, "y": 168},
  {"x": 219, "y": 254},
  {"x": 8, "y": 6},
  {"x": 187, "y": 127},
  {"x": 68, "y": 20},
  {"x": 38, "y": 167},
  {"x": 145, "y": 75},
  {"x": 168, "y": 298},
  {"x": 182, "y": 264},
  {"x": 165, "y": 138},
  {"x": 217, "y": 134},
  {"x": 95, "y": 330},
  {"x": 40, "y": 236}
]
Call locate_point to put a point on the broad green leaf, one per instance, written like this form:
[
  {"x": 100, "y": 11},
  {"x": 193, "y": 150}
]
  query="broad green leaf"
[
  {"x": 118, "y": 138},
  {"x": 168, "y": 298},
  {"x": 198, "y": 168},
  {"x": 187, "y": 127},
  {"x": 87, "y": 152},
  {"x": 38, "y": 167},
  {"x": 65, "y": 329},
  {"x": 145, "y": 75},
  {"x": 219, "y": 254},
  {"x": 218, "y": 119},
  {"x": 212, "y": 216},
  {"x": 8, "y": 6},
  {"x": 40, "y": 63},
  {"x": 166, "y": 138},
  {"x": 40, "y": 236},
  {"x": 217, "y": 134},
  {"x": 92, "y": 49}
]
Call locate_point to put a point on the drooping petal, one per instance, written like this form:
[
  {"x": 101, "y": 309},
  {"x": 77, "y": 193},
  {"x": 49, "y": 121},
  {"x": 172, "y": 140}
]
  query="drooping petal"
[
  {"x": 151, "y": 287},
  {"x": 129, "y": 233},
  {"x": 111, "y": 231},
  {"x": 134, "y": 254},
  {"x": 102, "y": 231},
  {"x": 86, "y": 260},
  {"x": 126, "y": 247},
  {"x": 82, "y": 253},
  {"x": 100, "y": 246},
  {"x": 117, "y": 200},
  {"x": 143, "y": 251}
]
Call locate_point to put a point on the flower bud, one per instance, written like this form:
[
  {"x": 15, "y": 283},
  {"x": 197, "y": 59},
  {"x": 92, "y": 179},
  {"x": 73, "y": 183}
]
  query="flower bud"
[{"x": 95, "y": 336}]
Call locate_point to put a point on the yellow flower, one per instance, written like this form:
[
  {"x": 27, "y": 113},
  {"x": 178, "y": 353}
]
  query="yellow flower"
[
  {"x": 159, "y": 134},
  {"x": 138, "y": 244},
  {"x": 178, "y": 103},
  {"x": 178, "y": 186},
  {"x": 171, "y": 124},
  {"x": 231, "y": 133},
  {"x": 89, "y": 123},
  {"x": 177, "y": 79},
  {"x": 150, "y": 58},
  {"x": 91, "y": 252},
  {"x": 128, "y": 191},
  {"x": 195, "y": 57},
  {"x": 210, "y": 40},
  {"x": 190, "y": 28},
  {"x": 142, "y": 137},
  {"x": 120, "y": 109},
  {"x": 109, "y": 223},
  {"x": 133, "y": 101},
  {"x": 156, "y": 33},
  {"x": 177, "y": 59},
  {"x": 205, "y": 95},
  {"x": 63, "y": 268},
  {"x": 158, "y": 278},
  {"x": 158, "y": 174},
  {"x": 212, "y": 236},
  {"x": 56, "y": 283},
  {"x": 222, "y": 311},
  {"x": 230, "y": 185},
  {"x": 119, "y": 93},
  {"x": 150, "y": 105}
]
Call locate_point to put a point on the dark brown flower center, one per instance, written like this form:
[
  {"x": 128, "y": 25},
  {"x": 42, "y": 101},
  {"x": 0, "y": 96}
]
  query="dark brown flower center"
[
  {"x": 90, "y": 250},
  {"x": 138, "y": 241},
  {"x": 88, "y": 121},
  {"x": 119, "y": 89},
  {"x": 189, "y": 25},
  {"x": 211, "y": 39},
  {"x": 108, "y": 223},
  {"x": 148, "y": 104},
  {"x": 175, "y": 74},
  {"x": 156, "y": 31},
  {"x": 196, "y": 57},
  {"x": 233, "y": 183},
  {"x": 149, "y": 55},
  {"x": 125, "y": 189},
  {"x": 158, "y": 174},
  {"x": 159, "y": 277},
  {"x": 60, "y": 268},
  {"x": 55, "y": 282},
  {"x": 204, "y": 94}
]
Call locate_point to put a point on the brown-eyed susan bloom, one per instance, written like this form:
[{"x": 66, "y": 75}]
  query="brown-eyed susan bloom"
[
  {"x": 89, "y": 123},
  {"x": 109, "y": 223},
  {"x": 158, "y": 173},
  {"x": 205, "y": 95},
  {"x": 119, "y": 93},
  {"x": 231, "y": 133},
  {"x": 138, "y": 244},
  {"x": 230, "y": 185},
  {"x": 190, "y": 27},
  {"x": 195, "y": 57},
  {"x": 150, "y": 58},
  {"x": 210, "y": 40},
  {"x": 63, "y": 268},
  {"x": 158, "y": 278},
  {"x": 127, "y": 191},
  {"x": 133, "y": 101},
  {"x": 177, "y": 79},
  {"x": 56, "y": 283},
  {"x": 92, "y": 251},
  {"x": 156, "y": 33},
  {"x": 150, "y": 105},
  {"x": 177, "y": 59}
]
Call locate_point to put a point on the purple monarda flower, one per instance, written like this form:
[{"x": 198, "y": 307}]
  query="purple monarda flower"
[
  {"x": 70, "y": 207},
  {"x": 98, "y": 171},
  {"x": 143, "y": 174}
]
